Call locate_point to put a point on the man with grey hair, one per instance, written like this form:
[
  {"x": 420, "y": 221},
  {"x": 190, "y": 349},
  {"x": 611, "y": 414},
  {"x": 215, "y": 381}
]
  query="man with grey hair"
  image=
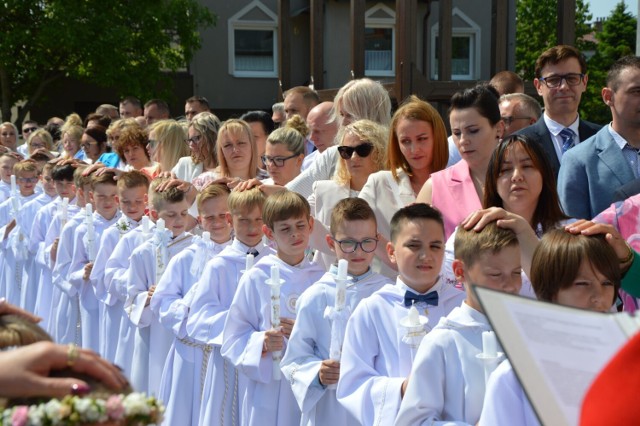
[
  {"x": 518, "y": 111},
  {"x": 279, "y": 115}
]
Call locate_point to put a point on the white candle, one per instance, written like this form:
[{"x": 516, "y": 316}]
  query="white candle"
[
  {"x": 65, "y": 210},
  {"x": 91, "y": 236},
  {"x": 341, "y": 285},
  {"x": 14, "y": 186},
  {"x": 248, "y": 263},
  {"x": 145, "y": 224},
  {"x": 160, "y": 225},
  {"x": 343, "y": 265},
  {"x": 414, "y": 317},
  {"x": 489, "y": 344},
  {"x": 206, "y": 236},
  {"x": 275, "y": 316}
]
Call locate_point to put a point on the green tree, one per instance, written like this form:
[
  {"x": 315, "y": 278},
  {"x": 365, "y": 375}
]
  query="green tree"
[
  {"x": 129, "y": 45},
  {"x": 536, "y": 22},
  {"x": 617, "y": 39}
]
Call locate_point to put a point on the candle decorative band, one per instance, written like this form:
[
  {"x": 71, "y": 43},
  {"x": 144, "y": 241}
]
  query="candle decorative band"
[{"x": 275, "y": 283}]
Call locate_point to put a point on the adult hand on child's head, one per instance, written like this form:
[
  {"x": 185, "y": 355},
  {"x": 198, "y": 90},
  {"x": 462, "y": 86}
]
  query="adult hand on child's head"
[
  {"x": 24, "y": 372},
  {"x": 92, "y": 168},
  {"x": 7, "y": 308},
  {"x": 174, "y": 182},
  {"x": 611, "y": 234},
  {"x": 44, "y": 152},
  {"x": 504, "y": 219},
  {"x": 102, "y": 170},
  {"x": 167, "y": 175},
  {"x": 247, "y": 184}
]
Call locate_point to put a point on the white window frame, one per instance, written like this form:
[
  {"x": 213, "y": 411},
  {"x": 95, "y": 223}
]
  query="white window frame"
[
  {"x": 370, "y": 22},
  {"x": 237, "y": 23},
  {"x": 473, "y": 33}
]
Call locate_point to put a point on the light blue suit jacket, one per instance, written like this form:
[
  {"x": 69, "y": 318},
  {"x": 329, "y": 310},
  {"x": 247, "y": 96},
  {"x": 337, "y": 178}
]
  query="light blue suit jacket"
[{"x": 589, "y": 175}]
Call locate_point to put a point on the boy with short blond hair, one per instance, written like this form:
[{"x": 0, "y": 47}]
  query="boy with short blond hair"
[
  {"x": 7, "y": 160},
  {"x": 306, "y": 364},
  {"x": 148, "y": 262},
  {"x": 103, "y": 196},
  {"x": 210, "y": 299},
  {"x": 180, "y": 384},
  {"x": 249, "y": 341},
  {"x": 447, "y": 382},
  {"x": 376, "y": 356},
  {"x": 132, "y": 188}
]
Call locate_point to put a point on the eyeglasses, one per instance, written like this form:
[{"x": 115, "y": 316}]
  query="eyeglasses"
[
  {"x": 553, "y": 81},
  {"x": 509, "y": 119},
  {"x": 29, "y": 129},
  {"x": 28, "y": 180},
  {"x": 85, "y": 146},
  {"x": 276, "y": 161},
  {"x": 363, "y": 150},
  {"x": 195, "y": 140},
  {"x": 367, "y": 245}
]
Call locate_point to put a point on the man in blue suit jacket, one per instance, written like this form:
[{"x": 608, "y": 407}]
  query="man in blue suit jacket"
[
  {"x": 561, "y": 78},
  {"x": 593, "y": 170}
]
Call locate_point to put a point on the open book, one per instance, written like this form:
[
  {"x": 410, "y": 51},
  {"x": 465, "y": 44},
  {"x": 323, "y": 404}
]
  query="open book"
[{"x": 556, "y": 351}]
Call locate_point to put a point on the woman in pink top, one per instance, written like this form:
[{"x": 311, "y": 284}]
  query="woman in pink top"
[{"x": 476, "y": 127}]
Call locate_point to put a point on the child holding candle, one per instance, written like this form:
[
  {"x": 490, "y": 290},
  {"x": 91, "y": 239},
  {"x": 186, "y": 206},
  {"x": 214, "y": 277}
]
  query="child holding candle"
[
  {"x": 447, "y": 381},
  {"x": 181, "y": 378},
  {"x": 308, "y": 364},
  {"x": 169, "y": 209},
  {"x": 249, "y": 341},
  {"x": 85, "y": 247},
  {"x": 132, "y": 188},
  {"x": 375, "y": 360},
  {"x": 210, "y": 299}
]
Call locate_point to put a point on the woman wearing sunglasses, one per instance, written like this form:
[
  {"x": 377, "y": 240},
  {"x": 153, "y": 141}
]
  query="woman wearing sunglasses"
[
  {"x": 361, "y": 147},
  {"x": 417, "y": 147},
  {"x": 166, "y": 146}
]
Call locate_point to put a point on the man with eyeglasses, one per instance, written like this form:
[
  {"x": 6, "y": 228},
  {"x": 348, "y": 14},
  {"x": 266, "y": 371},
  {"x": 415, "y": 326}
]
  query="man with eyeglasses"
[
  {"x": 561, "y": 78},
  {"x": 595, "y": 169}
]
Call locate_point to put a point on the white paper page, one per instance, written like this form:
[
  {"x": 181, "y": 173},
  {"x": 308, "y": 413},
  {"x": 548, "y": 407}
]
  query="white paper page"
[{"x": 555, "y": 351}]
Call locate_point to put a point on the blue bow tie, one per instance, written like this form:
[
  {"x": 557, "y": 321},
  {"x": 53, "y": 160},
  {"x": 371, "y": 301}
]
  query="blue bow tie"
[
  {"x": 429, "y": 298},
  {"x": 254, "y": 252}
]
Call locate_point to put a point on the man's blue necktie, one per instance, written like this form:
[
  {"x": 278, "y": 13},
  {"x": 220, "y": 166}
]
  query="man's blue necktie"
[{"x": 568, "y": 139}]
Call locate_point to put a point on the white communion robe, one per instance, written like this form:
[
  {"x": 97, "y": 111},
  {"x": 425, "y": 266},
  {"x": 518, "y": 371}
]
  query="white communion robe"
[
  {"x": 375, "y": 360},
  {"x": 115, "y": 280},
  {"x": 267, "y": 401},
  {"x": 67, "y": 312},
  {"x": 89, "y": 307},
  {"x": 181, "y": 376},
  {"x": 310, "y": 343},
  {"x": 152, "y": 339},
  {"x": 505, "y": 402},
  {"x": 447, "y": 380},
  {"x": 211, "y": 298},
  {"x": 110, "y": 314},
  {"x": 5, "y": 190},
  {"x": 35, "y": 228}
]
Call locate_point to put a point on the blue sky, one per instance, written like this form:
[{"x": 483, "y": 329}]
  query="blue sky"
[{"x": 603, "y": 8}]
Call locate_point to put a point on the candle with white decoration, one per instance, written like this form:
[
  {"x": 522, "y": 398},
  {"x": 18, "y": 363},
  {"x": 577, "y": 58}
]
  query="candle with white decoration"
[
  {"x": 339, "y": 315},
  {"x": 248, "y": 263},
  {"x": 15, "y": 201},
  {"x": 64, "y": 211},
  {"x": 145, "y": 224},
  {"x": 91, "y": 233},
  {"x": 275, "y": 282}
]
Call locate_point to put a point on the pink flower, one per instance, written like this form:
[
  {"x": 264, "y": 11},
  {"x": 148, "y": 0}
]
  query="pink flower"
[
  {"x": 114, "y": 407},
  {"x": 20, "y": 416}
]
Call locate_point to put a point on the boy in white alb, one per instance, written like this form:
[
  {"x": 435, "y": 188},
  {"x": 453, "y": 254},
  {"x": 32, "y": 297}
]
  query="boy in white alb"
[
  {"x": 13, "y": 239},
  {"x": 148, "y": 262},
  {"x": 35, "y": 227},
  {"x": 7, "y": 160},
  {"x": 249, "y": 340},
  {"x": 375, "y": 358},
  {"x": 103, "y": 196},
  {"x": 63, "y": 181},
  {"x": 211, "y": 297},
  {"x": 181, "y": 377},
  {"x": 132, "y": 188},
  {"x": 307, "y": 364},
  {"x": 447, "y": 382}
]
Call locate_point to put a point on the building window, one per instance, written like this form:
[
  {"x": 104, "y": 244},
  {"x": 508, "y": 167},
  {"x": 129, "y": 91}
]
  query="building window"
[
  {"x": 379, "y": 42},
  {"x": 465, "y": 43},
  {"x": 253, "y": 36}
]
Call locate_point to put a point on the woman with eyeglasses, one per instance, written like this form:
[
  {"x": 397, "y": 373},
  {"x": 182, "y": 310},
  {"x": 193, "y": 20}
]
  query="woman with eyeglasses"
[
  {"x": 417, "y": 148},
  {"x": 94, "y": 143},
  {"x": 237, "y": 153},
  {"x": 40, "y": 141},
  {"x": 284, "y": 152},
  {"x": 201, "y": 140},
  {"x": 165, "y": 146},
  {"x": 476, "y": 126},
  {"x": 71, "y": 137},
  {"x": 362, "y": 152}
]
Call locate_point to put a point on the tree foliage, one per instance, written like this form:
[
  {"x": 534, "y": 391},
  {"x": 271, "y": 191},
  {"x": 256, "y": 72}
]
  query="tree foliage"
[
  {"x": 617, "y": 39},
  {"x": 124, "y": 44}
]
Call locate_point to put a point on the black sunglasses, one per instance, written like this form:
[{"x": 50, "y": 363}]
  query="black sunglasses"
[{"x": 363, "y": 150}]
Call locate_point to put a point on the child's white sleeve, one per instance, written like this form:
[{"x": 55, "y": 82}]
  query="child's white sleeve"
[
  {"x": 139, "y": 279},
  {"x": 166, "y": 302}
]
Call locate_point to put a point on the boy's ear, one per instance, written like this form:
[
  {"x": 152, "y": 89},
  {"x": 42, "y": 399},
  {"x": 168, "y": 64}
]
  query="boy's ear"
[
  {"x": 91, "y": 197},
  {"x": 311, "y": 222},
  {"x": 458, "y": 270},
  {"x": 267, "y": 231},
  {"x": 117, "y": 199},
  {"x": 229, "y": 218},
  {"x": 154, "y": 214},
  {"x": 391, "y": 252},
  {"x": 331, "y": 243}
]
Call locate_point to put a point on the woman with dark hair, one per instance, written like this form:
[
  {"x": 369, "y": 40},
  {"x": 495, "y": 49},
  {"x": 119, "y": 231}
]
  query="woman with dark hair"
[
  {"x": 94, "y": 143},
  {"x": 476, "y": 126}
]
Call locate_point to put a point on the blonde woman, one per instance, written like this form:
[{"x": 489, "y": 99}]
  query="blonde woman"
[
  {"x": 237, "y": 153},
  {"x": 284, "y": 152},
  {"x": 201, "y": 140},
  {"x": 71, "y": 137},
  {"x": 362, "y": 151},
  {"x": 166, "y": 146},
  {"x": 42, "y": 142}
]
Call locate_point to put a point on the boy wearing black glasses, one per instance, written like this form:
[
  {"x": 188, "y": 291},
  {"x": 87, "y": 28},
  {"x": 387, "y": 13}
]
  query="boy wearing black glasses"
[{"x": 307, "y": 364}]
